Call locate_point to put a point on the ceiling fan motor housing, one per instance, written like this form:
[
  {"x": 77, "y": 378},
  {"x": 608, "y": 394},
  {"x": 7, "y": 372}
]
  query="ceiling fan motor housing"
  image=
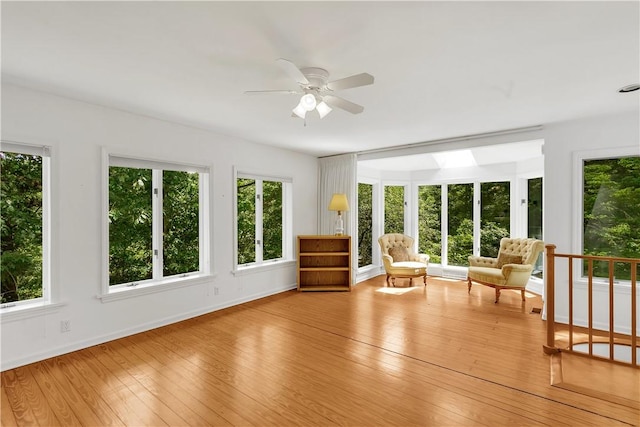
[{"x": 317, "y": 77}]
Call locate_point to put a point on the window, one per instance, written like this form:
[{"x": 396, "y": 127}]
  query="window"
[
  {"x": 611, "y": 218},
  {"x": 429, "y": 222},
  {"x": 157, "y": 221},
  {"x": 394, "y": 209},
  {"x": 495, "y": 216},
  {"x": 460, "y": 221},
  {"x": 365, "y": 224},
  {"x": 534, "y": 219},
  {"x": 24, "y": 213},
  {"x": 262, "y": 219}
]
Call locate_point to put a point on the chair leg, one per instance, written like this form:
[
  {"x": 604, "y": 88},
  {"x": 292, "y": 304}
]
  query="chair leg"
[
  {"x": 410, "y": 282},
  {"x": 522, "y": 292},
  {"x": 469, "y": 280},
  {"x": 425, "y": 279},
  {"x": 497, "y": 295},
  {"x": 388, "y": 284}
]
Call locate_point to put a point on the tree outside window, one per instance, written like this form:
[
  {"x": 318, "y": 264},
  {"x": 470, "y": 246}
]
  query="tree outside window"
[
  {"x": 394, "y": 209},
  {"x": 260, "y": 217},
  {"x": 143, "y": 245},
  {"x": 495, "y": 216},
  {"x": 429, "y": 221},
  {"x": 21, "y": 224},
  {"x": 365, "y": 224},
  {"x": 534, "y": 219},
  {"x": 611, "y": 217},
  {"x": 460, "y": 232}
]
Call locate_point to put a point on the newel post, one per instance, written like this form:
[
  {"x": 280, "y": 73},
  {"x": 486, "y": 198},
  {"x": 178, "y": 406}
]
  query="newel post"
[{"x": 549, "y": 280}]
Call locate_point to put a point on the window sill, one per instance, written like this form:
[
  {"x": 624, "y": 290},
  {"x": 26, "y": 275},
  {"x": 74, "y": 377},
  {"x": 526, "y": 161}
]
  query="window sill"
[
  {"x": 25, "y": 311},
  {"x": 151, "y": 288},
  {"x": 241, "y": 271}
]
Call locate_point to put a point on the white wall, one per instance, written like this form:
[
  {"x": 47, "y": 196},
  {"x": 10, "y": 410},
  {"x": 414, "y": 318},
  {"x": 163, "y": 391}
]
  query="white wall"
[
  {"x": 561, "y": 141},
  {"x": 76, "y": 132}
]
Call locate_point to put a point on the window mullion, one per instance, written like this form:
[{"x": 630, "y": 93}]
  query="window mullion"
[
  {"x": 157, "y": 224},
  {"x": 477, "y": 217},
  {"x": 259, "y": 222}
]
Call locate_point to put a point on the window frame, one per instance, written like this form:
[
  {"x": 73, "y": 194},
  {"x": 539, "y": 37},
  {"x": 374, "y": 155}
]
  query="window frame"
[
  {"x": 157, "y": 282},
  {"x": 19, "y": 309},
  {"x": 579, "y": 157},
  {"x": 287, "y": 223}
]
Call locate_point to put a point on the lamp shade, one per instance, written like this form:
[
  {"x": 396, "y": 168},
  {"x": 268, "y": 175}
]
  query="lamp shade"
[
  {"x": 339, "y": 203},
  {"x": 323, "y": 109},
  {"x": 308, "y": 102}
]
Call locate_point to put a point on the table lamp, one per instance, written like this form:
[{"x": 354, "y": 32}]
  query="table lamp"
[{"x": 339, "y": 203}]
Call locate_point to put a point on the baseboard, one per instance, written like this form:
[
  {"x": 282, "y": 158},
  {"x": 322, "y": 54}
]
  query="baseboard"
[{"x": 58, "y": 351}]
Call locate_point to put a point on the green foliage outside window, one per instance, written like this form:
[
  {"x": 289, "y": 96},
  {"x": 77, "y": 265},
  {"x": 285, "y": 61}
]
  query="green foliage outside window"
[
  {"x": 534, "y": 219},
  {"x": 460, "y": 233},
  {"x": 495, "y": 214},
  {"x": 21, "y": 226},
  {"x": 394, "y": 209},
  {"x": 181, "y": 219},
  {"x": 246, "y": 214},
  {"x": 429, "y": 222},
  {"x": 365, "y": 224},
  {"x": 611, "y": 206},
  {"x": 131, "y": 224},
  {"x": 272, "y": 219}
]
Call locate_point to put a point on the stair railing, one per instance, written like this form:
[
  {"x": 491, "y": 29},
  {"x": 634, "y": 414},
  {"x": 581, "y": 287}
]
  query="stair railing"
[{"x": 614, "y": 338}]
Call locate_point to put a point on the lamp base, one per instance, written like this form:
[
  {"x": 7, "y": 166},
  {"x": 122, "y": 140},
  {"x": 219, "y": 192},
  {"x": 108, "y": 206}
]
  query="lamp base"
[{"x": 339, "y": 226}]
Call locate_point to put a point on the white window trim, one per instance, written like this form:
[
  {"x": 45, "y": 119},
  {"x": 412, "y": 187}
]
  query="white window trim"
[
  {"x": 36, "y": 306},
  {"x": 203, "y": 275},
  {"x": 577, "y": 244},
  {"x": 287, "y": 226}
]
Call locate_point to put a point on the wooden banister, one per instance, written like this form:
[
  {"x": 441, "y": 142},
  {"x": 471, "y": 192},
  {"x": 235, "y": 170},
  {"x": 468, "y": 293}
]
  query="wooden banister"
[
  {"x": 549, "y": 279},
  {"x": 590, "y": 335}
]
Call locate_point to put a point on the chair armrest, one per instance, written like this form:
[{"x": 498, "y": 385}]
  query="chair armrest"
[
  {"x": 516, "y": 274},
  {"x": 424, "y": 258},
  {"x": 387, "y": 260},
  {"x": 483, "y": 261}
]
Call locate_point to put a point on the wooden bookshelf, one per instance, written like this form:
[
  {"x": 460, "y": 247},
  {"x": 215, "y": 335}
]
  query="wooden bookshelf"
[{"x": 324, "y": 263}]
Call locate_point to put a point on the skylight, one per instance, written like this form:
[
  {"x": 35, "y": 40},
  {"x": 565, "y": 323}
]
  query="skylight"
[{"x": 455, "y": 159}]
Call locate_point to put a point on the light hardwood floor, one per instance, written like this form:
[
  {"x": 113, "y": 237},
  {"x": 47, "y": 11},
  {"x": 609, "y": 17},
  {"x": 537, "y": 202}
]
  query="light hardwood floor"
[{"x": 414, "y": 356}]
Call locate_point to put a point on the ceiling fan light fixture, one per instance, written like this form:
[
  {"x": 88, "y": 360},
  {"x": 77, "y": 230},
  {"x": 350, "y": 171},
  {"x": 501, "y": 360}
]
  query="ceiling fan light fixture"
[
  {"x": 300, "y": 111},
  {"x": 323, "y": 109},
  {"x": 308, "y": 102}
]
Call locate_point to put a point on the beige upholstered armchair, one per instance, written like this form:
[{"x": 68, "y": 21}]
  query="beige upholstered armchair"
[
  {"x": 400, "y": 260},
  {"x": 512, "y": 268}
]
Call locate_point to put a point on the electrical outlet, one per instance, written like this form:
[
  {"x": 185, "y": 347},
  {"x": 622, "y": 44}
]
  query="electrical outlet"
[
  {"x": 65, "y": 325},
  {"x": 215, "y": 290}
]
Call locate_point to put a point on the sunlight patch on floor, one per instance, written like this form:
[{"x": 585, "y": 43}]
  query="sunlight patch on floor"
[{"x": 396, "y": 291}]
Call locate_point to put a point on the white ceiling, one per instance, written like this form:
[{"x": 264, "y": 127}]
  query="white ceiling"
[{"x": 442, "y": 69}]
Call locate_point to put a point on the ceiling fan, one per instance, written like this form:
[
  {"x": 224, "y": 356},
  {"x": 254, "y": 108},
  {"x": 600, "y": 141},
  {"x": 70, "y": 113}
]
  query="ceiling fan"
[{"x": 317, "y": 90}]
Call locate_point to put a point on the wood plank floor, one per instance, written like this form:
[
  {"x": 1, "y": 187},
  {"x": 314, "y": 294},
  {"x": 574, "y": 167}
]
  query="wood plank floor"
[{"x": 375, "y": 356}]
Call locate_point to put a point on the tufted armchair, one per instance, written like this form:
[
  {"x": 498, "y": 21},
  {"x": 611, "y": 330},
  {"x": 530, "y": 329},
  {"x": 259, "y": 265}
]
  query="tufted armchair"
[
  {"x": 512, "y": 268},
  {"x": 400, "y": 260}
]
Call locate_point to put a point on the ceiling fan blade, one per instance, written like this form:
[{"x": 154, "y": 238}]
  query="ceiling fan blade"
[
  {"x": 356, "y": 80},
  {"x": 337, "y": 102},
  {"x": 268, "y": 92},
  {"x": 292, "y": 70}
]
